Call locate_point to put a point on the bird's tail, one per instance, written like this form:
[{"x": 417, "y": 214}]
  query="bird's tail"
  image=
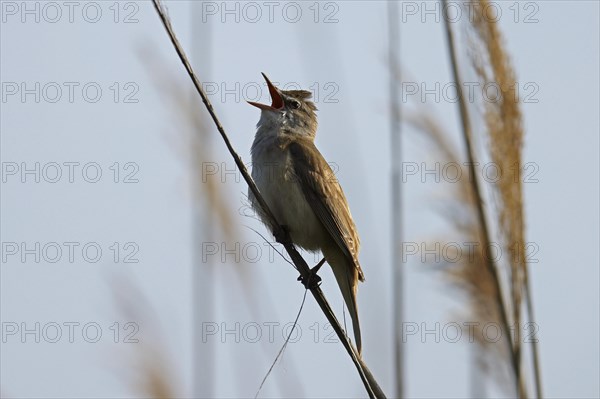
[{"x": 347, "y": 279}]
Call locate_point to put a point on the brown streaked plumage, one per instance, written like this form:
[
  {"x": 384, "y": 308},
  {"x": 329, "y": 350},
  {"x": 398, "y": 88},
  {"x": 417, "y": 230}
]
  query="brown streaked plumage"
[{"x": 302, "y": 191}]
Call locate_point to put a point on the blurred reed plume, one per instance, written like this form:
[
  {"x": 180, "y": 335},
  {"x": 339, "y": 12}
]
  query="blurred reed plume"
[
  {"x": 156, "y": 385},
  {"x": 495, "y": 287},
  {"x": 469, "y": 274},
  {"x": 505, "y": 137},
  {"x": 192, "y": 139},
  {"x": 504, "y": 127},
  {"x": 154, "y": 380},
  {"x": 153, "y": 375}
]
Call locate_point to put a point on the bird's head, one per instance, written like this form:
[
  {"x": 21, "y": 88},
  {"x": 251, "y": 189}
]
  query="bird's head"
[{"x": 290, "y": 112}]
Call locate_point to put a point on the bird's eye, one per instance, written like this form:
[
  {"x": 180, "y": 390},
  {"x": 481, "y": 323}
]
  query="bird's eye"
[{"x": 295, "y": 104}]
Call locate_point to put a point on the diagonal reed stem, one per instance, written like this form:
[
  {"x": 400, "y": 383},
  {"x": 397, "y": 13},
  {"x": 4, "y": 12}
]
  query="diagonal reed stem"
[
  {"x": 534, "y": 343},
  {"x": 486, "y": 243},
  {"x": 371, "y": 385}
]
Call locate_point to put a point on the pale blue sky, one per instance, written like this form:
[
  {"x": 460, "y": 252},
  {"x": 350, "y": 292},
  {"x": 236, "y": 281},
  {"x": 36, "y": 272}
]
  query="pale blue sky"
[{"x": 557, "y": 52}]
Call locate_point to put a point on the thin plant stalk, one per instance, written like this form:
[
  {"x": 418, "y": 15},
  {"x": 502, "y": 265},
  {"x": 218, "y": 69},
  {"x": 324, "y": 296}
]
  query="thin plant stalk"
[
  {"x": 396, "y": 201},
  {"x": 534, "y": 342}
]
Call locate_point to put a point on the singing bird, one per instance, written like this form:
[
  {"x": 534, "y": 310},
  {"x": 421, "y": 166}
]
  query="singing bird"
[{"x": 302, "y": 191}]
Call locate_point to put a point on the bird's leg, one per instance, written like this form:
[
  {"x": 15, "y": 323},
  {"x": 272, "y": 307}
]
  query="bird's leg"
[
  {"x": 282, "y": 234},
  {"x": 313, "y": 279}
]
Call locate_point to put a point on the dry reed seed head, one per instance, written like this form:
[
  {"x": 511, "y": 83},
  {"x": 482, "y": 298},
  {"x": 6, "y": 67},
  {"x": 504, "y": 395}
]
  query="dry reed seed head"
[{"x": 504, "y": 127}]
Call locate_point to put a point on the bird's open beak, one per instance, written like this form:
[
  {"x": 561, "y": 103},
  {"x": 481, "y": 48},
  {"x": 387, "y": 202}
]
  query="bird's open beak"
[{"x": 276, "y": 100}]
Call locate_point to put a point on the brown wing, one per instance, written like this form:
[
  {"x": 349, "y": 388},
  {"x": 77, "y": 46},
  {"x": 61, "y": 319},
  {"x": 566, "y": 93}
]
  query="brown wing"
[{"x": 326, "y": 197}]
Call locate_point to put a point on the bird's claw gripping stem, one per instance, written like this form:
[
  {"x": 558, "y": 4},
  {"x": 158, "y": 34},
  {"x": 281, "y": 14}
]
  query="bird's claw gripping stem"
[{"x": 313, "y": 280}]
